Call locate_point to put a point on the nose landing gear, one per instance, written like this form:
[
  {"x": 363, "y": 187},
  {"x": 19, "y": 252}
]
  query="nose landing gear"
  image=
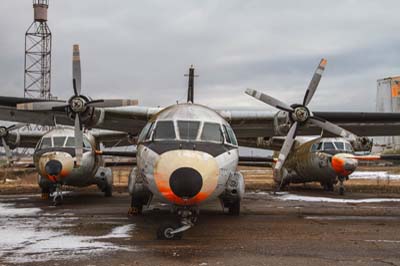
[
  {"x": 57, "y": 195},
  {"x": 175, "y": 231}
]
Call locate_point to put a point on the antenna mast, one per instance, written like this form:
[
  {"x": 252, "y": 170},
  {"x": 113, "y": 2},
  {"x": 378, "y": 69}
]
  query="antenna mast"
[{"x": 37, "y": 78}]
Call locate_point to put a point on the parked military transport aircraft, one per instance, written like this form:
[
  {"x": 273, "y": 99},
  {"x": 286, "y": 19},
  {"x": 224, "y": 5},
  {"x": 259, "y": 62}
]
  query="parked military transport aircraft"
[
  {"x": 188, "y": 153},
  {"x": 324, "y": 160},
  {"x": 55, "y": 159}
]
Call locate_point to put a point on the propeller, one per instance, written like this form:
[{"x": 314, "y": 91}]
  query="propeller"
[
  {"x": 77, "y": 105},
  {"x": 299, "y": 115},
  {"x": 3, "y": 135}
]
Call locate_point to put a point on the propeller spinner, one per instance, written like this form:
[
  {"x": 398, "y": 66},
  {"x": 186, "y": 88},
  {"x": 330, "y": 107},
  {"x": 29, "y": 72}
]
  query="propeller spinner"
[{"x": 300, "y": 114}]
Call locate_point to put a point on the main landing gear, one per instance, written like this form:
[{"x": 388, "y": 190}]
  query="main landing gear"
[
  {"x": 45, "y": 194},
  {"x": 341, "y": 184},
  {"x": 174, "y": 231}
]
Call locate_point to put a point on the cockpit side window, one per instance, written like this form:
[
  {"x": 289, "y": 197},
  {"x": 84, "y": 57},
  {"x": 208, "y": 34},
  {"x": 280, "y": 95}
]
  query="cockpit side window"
[
  {"x": 86, "y": 143},
  {"x": 144, "y": 132},
  {"x": 188, "y": 130},
  {"x": 46, "y": 143},
  {"x": 231, "y": 135},
  {"x": 211, "y": 132},
  {"x": 164, "y": 130},
  {"x": 148, "y": 133},
  {"x": 319, "y": 148},
  {"x": 59, "y": 141},
  {"x": 348, "y": 147},
  {"x": 228, "y": 139},
  {"x": 314, "y": 147},
  {"x": 70, "y": 142}
]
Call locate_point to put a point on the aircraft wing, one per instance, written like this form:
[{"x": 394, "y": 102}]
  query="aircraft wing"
[
  {"x": 129, "y": 119},
  {"x": 23, "y": 139},
  {"x": 247, "y": 124},
  {"x": 250, "y": 124},
  {"x": 111, "y": 138}
]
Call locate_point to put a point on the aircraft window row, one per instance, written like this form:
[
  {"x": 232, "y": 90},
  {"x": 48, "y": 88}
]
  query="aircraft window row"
[
  {"x": 49, "y": 142},
  {"x": 329, "y": 146},
  {"x": 187, "y": 130}
]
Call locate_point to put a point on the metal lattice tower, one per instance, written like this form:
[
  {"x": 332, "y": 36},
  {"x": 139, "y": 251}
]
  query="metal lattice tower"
[{"x": 37, "y": 79}]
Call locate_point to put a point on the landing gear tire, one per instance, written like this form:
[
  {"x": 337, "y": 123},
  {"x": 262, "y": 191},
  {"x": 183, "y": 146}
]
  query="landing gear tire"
[
  {"x": 328, "y": 187},
  {"x": 341, "y": 185},
  {"x": 234, "y": 208},
  {"x": 108, "y": 191},
  {"x": 136, "y": 207},
  {"x": 45, "y": 194},
  {"x": 341, "y": 191},
  {"x": 164, "y": 232}
]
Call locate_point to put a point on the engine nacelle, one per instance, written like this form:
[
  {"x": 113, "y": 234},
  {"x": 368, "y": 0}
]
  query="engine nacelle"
[
  {"x": 272, "y": 143},
  {"x": 13, "y": 139},
  {"x": 362, "y": 144},
  {"x": 281, "y": 123},
  {"x": 136, "y": 187}
]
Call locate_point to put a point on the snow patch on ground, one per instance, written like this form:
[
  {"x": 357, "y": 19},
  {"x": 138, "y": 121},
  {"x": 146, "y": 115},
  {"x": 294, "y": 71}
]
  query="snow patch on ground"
[
  {"x": 384, "y": 241},
  {"x": 29, "y": 235},
  {"x": 344, "y": 218},
  {"x": 294, "y": 197},
  {"x": 7, "y": 210},
  {"x": 285, "y": 196},
  {"x": 374, "y": 175}
]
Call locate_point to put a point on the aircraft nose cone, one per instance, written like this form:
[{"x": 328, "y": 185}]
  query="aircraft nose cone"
[
  {"x": 186, "y": 182},
  {"x": 343, "y": 164},
  {"x": 53, "y": 167},
  {"x": 350, "y": 165}
]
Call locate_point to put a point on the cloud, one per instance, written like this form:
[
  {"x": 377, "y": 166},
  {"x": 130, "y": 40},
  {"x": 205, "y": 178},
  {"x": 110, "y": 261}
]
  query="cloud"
[{"x": 143, "y": 49}]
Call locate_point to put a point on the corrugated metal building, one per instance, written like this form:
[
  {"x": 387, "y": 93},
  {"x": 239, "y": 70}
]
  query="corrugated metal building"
[{"x": 388, "y": 100}]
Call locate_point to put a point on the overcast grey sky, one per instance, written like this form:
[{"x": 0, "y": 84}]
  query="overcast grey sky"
[{"x": 142, "y": 49}]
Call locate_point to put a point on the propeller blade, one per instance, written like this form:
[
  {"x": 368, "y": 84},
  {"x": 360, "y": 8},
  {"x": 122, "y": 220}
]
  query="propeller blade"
[
  {"x": 78, "y": 140},
  {"x": 16, "y": 127},
  {"x": 269, "y": 100},
  {"x": 76, "y": 70},
  {"x": 312, "y": 87},
  {"x": 112, "y": 103},
  {"x": 332, "y": 128},
  {"x": 286, "y": 148},
  {"x": 7, "y": 150},
  {"x": 41, "y": 106}
]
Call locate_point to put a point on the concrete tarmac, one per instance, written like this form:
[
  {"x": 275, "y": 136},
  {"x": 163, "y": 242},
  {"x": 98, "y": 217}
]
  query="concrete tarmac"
[{"x": 89, "y": 229}]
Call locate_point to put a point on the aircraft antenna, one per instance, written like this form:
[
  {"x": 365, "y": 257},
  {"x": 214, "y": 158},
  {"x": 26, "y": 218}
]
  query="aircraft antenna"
[{"x": 191, "y": 75}]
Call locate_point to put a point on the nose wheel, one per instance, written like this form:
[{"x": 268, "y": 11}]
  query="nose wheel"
[
  {"x": 168, "y": 232},
  {"x": 57, "y": 195},
  {"x": 174, "y": 231}
]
